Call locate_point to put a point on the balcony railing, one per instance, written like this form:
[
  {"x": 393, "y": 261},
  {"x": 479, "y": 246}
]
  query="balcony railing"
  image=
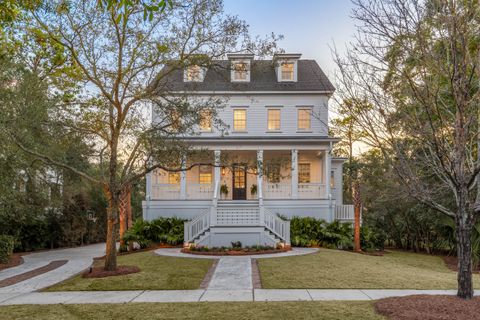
[
  {"x": 312, "y": 191},
  {"x": 200, "y": 191},
  {"x": 166, "y": 191},
  {"x": 277, "y": 190}
]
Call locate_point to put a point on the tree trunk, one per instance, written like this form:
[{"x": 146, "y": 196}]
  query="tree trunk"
[
  {"x": 125, "y": 212},
  {"x": 357, "y": 205},
  {"x": 464, "y": 256},
  {"x": 111, "y": 243}
]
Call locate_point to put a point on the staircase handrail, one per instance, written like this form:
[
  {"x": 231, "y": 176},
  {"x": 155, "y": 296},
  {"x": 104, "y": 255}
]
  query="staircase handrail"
[
  {"x": 277, "y": 225},
  {"x": 196, "y": 226}
]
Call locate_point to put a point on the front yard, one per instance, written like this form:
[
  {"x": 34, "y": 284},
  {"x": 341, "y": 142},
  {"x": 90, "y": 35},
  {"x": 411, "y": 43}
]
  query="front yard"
[
  {"x": 346, "y": 270},
  {"x": 157, "y": 273},
  {"x": 203, "y": 310}
]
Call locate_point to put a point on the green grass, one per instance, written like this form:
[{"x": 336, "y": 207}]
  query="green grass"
[
  {"x": 347, "y": 270},
  {"x": 157, "y": 273},
  {"x": 204, "y": 310}
]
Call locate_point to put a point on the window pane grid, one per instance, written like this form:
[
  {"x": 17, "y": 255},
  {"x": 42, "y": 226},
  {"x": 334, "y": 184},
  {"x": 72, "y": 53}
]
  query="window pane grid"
[
  {"x": 173, "y": 177},
  {"x": 240, "y": 120},
  {"x": 287, "y": 71},
  {"x": 206, "y": 121},
  {"x": 304, "y": 172},
  {"x": 205, "y": 175},
  {"x": 240, "y": 71},
  {"x": 274, "y": 119},
  {"x": 304, "y": 119},
  {"x": 193, "y": 73}
]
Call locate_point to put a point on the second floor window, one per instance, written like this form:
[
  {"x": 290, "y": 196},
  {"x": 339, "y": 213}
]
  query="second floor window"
[
  {"x": 194, "y": 73},
  {"x": 304, "y": 120},
  {"x": 287, "y": 71},
  {"x": 239, "y": 119},
  {"x": 206, "y": 121},
  {"x": 205, "y": 175},
  {"x": 304, "y": 173},
  {"x": 240, "y": 71},
  {"x": 174, "y": 177},
  {"x": 273, "y": 120}
]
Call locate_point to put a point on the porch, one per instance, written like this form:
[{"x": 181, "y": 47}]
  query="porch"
[{"x": 248, "y": 175}]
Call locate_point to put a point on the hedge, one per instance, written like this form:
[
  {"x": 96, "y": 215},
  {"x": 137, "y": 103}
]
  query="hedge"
[{"x": 6, "y": 247}]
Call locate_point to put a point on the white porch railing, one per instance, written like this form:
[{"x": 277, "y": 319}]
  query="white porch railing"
[
  {"x": 277, "y": 190},
  {"x": 199, "y": 191},
  {"x": 344, "y": 212},
  {"x": 166, "y": 191},
  {"x": 276, "y": 225},
  {"x": 197, "y": 226},
  {"x": 312, "y": 191}
]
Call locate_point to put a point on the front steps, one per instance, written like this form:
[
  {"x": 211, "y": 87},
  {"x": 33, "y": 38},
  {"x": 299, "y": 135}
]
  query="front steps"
[{"x": 237, "y": 220}]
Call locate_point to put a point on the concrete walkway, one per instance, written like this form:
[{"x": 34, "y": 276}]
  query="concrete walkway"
[
  {"x": 86, "y": 297},
  {"x": 79, "y": 259}
]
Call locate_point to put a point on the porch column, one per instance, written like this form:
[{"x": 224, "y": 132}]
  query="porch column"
[
  {"x": 327, "y": 167},
  {"x": 260, "y": 185},
  {"x": 216, "y": 170},
  {"x": 148, "y": 194},
  {"x": 294, "y": 171},
  {"x": 183, "y": 179}
]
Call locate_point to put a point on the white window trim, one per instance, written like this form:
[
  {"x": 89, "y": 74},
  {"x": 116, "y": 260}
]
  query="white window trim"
[
  {"x": 298, "y": 108},
  {"x": 279, "y": 130},
  {"x": 207, "y": 130},
  {"x": 203, "y": 72},
  {"x": 295, "y": 70},
  {"x": 246, "y": 120},
  {"x": 232, "y": 72}
]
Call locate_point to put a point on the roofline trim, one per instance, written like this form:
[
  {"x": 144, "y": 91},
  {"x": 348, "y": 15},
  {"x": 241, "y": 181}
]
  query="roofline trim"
[{"x": 253, "y": 92}]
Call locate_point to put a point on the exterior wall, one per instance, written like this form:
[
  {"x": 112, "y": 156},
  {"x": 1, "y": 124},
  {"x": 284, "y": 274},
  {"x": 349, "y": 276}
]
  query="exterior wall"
[
  {"x": 257, "y": 105},
  {"x": 188, "y": 209}
]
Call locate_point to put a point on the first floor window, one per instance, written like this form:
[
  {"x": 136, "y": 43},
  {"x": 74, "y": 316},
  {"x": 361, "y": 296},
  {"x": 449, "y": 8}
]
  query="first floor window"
[
  {"x": 273, "y": 119},
  {"x": 304, "y": 172},
  {"x": 174, "y": 177},
  {"x": 205, "y": 175},
  {"x": 273, "y": 172},
  {"x": 239, "y": 120},
  {"x": 304, "y": 116}
]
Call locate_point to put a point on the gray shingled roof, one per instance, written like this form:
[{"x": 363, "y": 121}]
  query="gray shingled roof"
[{"x": 263, "y": 78}]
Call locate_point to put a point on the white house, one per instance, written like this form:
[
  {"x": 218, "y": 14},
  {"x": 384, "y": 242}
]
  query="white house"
[{"x": 277, "y": 117}]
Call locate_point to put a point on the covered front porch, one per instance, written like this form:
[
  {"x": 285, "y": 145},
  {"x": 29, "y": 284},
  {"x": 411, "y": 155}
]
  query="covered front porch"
[{"x": 247, "y": 175}]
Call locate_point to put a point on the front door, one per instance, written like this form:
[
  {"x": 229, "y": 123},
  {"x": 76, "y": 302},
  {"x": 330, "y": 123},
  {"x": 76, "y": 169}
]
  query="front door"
[{"x": 239, "y": 183}]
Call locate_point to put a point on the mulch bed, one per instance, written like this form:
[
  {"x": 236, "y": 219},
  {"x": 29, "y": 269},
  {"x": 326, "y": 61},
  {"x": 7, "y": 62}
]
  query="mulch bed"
[
  {"x": 99, "y": 272},
  {"x": 451, "y": 262},
  {"x": 256, "y": 280},
  {"x": 425, "y": 307},
  {"x": 209, "y": 275},
  {"x": 15, "y": 260},
  {"x": 33, "y": 273},
  {"x": 233, "y": 252}
]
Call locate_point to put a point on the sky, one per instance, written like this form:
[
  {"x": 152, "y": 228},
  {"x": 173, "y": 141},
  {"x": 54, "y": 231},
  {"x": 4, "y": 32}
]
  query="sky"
[{"x": 310, "y": 27}]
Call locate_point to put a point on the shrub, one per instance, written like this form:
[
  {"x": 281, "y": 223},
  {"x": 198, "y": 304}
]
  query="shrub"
[
  {"x": 308, "y": 231},
  {"x": 6, "y": 248},
  {"x": 372, "y": 239},
  {"x": 161, "y": 230},
  {"x": 236, "y": 244}
]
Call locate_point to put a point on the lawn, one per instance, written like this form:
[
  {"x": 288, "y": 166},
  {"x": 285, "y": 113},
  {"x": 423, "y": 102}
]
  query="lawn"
[
  {"x": 203, "y": 310},
  {"x": 157, "y": 273},
  {"x": 347, "y": 270}
]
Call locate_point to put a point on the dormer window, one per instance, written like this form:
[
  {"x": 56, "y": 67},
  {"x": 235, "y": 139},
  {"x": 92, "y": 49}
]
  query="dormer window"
[
  {"x": 240, "y": 71},
  {"x": 194, "y": 73},
  {"x": 287, "y": 66},
  {"x": 287, "y": 71}
]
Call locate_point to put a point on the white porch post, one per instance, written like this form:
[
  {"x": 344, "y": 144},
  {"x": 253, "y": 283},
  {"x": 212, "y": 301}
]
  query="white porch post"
[
  {"x": 183, "y": 179},
  {"x": 260, "y": 184},
  {"x": 148, "y": 193},
  {"x": 327, "y": 166},
  {"x": 294, "y": 171},
  {"x": 216, "y": 170}
]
